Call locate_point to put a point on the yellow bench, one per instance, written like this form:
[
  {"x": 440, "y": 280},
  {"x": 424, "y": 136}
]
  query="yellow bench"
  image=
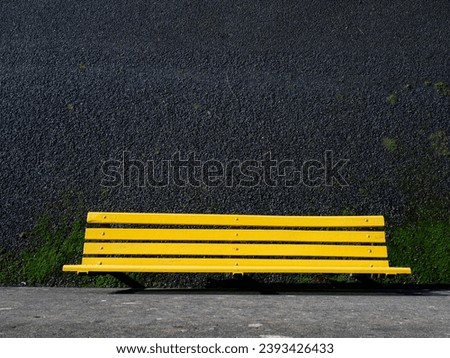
[{"x": 236, "y": 244}]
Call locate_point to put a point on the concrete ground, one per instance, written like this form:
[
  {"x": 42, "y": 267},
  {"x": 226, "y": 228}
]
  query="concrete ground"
[{"x": 82, "y": 312}]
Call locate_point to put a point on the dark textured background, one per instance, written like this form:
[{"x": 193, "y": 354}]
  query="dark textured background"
[{"x": 83, "y": 81}]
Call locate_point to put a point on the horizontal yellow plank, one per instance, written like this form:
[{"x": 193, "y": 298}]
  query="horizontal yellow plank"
[
  {"x": 234, "y": 220},
  {"x": 91, "y": 248},
  {"x": 235, "y": 235},
  {"x": 146, "y": 261},
  {"x": 237, "y": 269}
]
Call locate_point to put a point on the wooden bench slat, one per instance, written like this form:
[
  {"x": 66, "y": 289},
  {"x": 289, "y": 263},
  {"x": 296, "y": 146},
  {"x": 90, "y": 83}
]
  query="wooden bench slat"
[
  {"x": 100, "y": 234},
  {"x": 146, "y": 261},
  {"x": 234, "y": 220},
  {"x": 238, "y": 269},
  {"x": 199, "y": 249}
]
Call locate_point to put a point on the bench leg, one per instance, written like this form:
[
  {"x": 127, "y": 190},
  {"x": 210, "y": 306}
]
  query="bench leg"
[{"x": 127, "y": 280}]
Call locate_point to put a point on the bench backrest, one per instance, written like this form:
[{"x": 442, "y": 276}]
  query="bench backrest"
[{"x": 215, "y": 240}]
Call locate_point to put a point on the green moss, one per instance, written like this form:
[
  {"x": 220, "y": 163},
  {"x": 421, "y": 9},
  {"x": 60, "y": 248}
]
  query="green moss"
[
  {"x": 392, "y": 99},
  {"x": 348, "y": 212},
  {"x": 442, "y": 88},
  {"x": 306, "y": 279},
  {"x": 390, "y": 144},
  {"x": 105, "y": 192},
  {"x": 56, "y": 239},
  {"x": 440, "y": 143},
  {"x": 425, "y": 247},
  {"x": 363, "y": 191},
  {"x": 42, "y": 263},
  {"x": 10, "y": 268},
  {"x": 106, "y": 281}
]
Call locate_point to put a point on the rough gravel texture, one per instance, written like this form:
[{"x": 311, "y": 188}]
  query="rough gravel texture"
[{"x": 81, "y": 82}]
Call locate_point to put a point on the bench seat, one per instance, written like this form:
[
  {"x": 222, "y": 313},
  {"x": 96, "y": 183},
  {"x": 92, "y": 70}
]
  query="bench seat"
[{"x": 235, "y": 244}]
